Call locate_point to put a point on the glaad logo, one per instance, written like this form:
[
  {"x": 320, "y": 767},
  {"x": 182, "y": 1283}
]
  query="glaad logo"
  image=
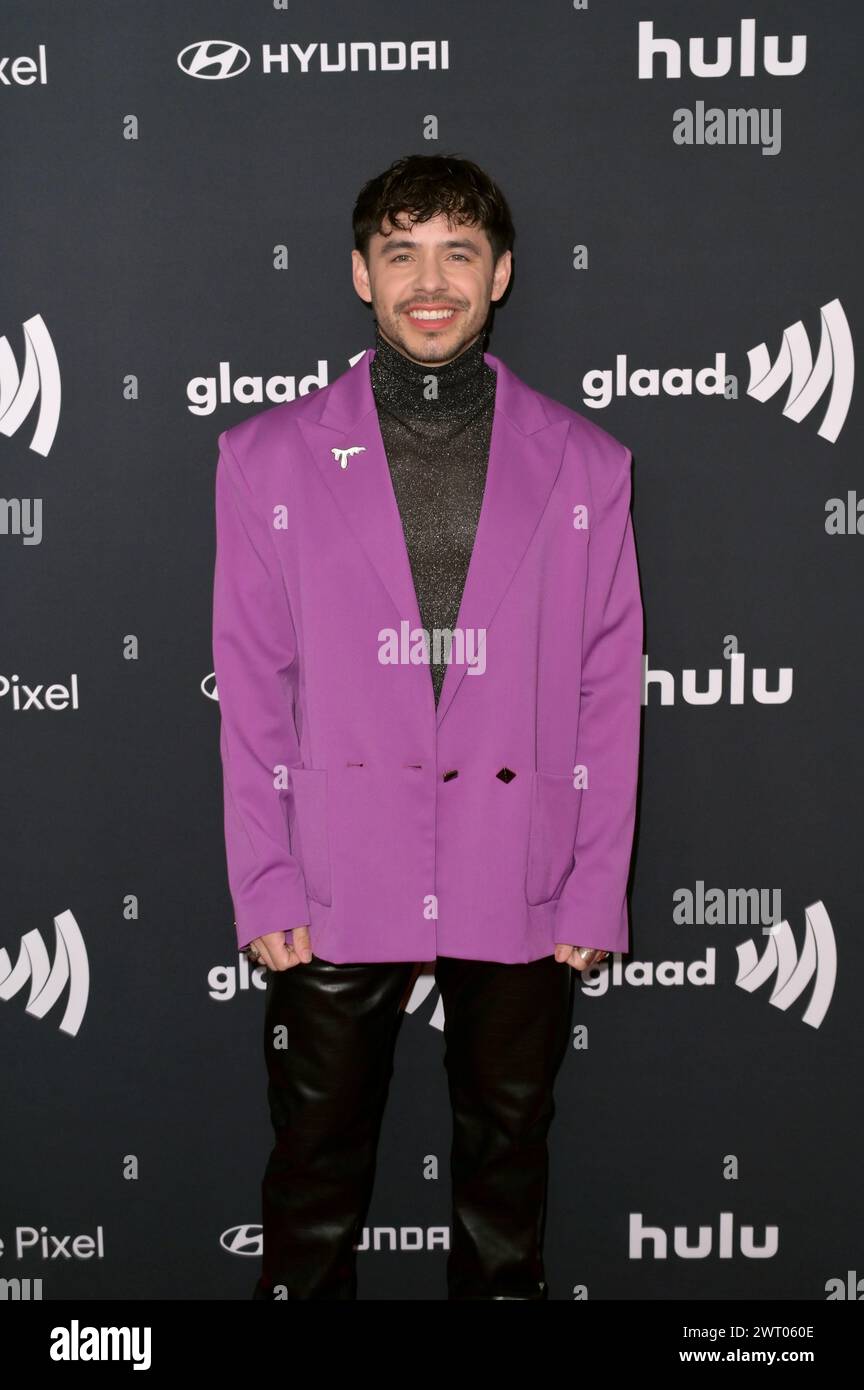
[
  {"x": 819, "y": 958},
  {"x": 791, "y": 972},
  {"x": 41, "y": 373},
  {"x": 213, "y": 59},
  {"x": 835, "y": 365},
  {"x": 226, "y": 981},
  {"x": 204, "y": 393},
  {"x": 48, "y": 980}
]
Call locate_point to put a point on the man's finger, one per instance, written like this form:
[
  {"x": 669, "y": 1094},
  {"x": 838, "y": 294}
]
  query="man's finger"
[
  {"x": 264, "y": 957},
  {"x": 302, "y": 944},
  {"x": 271, "y": 950},
  {"x": 574, "y": 957},
  {"x": 277, "y": 953}
]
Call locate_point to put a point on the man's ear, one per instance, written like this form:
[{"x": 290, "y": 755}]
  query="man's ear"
[{"x": 360, "y": 276}]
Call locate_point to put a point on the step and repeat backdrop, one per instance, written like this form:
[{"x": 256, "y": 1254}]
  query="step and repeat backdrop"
[{"x": 177, "y": 187}]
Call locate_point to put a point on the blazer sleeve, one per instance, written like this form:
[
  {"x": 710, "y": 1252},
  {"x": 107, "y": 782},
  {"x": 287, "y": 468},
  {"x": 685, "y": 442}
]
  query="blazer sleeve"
[
  {"x": 254, "y": 654},
  {"x": 592, "y": 907}
]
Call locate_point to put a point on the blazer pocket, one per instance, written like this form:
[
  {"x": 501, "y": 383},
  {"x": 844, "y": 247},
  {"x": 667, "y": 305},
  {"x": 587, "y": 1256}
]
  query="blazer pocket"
[
  {"x": 555, "y": 808},
  {"x": 309, "y": 785}
]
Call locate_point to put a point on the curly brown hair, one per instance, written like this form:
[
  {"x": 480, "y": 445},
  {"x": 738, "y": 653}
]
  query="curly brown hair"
[{"x": 424, "y": 185}]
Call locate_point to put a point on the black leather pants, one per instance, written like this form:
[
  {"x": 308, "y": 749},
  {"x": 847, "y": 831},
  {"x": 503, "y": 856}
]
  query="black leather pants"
[{"x": 329, "y": 1037}]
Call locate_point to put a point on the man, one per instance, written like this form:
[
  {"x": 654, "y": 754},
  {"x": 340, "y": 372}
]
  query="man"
[{"x": 427, "y": 636}]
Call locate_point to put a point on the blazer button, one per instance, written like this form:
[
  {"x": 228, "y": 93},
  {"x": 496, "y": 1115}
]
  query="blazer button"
[
  {"x": 448, "y": 776},
  {"x": 506, "y": 774}
]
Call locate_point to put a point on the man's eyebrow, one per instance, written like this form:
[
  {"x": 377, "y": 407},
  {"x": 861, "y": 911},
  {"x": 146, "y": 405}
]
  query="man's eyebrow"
[{"x": 406, "y": 244}]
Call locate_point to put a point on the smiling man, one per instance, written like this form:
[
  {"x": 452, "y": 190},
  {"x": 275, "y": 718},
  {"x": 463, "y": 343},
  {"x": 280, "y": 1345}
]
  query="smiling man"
[
  {"x": 383, "y": 810},
  {"x": 431, "y": 286}
]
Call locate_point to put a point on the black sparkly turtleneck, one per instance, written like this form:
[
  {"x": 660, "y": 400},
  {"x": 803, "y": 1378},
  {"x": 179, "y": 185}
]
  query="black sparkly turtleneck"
[{"x": 436, "y": 423}]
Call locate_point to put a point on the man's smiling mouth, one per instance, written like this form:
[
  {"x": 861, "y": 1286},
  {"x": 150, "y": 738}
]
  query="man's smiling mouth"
[{"x": 432, "y": 317}]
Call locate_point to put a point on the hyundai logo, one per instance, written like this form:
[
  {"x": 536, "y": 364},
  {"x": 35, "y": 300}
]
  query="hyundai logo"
[
  {"x": 242, "y": 1240},
  {"x": 213, "y": 59}
]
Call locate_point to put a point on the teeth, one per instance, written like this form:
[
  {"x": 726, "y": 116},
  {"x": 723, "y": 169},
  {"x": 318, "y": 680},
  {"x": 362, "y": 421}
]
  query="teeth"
[{"x": 432, "y": 313}]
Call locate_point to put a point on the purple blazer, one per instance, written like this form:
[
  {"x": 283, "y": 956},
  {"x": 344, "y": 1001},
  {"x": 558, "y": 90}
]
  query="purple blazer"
[{"x": 495, "y": 826}]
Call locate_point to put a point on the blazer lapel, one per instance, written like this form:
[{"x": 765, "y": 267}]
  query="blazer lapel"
[
  {"x": 362, "y": 489},
  {"x": 525, "y": 453}
]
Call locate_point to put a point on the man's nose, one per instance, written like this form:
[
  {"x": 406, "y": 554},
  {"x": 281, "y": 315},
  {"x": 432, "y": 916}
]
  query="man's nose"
[{"x": 431, "y": 278}]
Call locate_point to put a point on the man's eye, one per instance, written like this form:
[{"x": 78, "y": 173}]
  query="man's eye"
[{"x": 460, "y": 255}]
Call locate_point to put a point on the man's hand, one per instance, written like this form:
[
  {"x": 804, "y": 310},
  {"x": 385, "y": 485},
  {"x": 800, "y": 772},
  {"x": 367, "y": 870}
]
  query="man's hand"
[
  {"x": 571, "y": 954},
  {"x": 276, "y": 954}
]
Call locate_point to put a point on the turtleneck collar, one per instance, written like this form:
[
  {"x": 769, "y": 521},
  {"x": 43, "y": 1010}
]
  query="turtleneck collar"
[{"x": 400, "y": 384}]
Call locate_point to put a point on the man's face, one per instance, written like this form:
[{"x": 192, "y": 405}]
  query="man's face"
[{"x": 434, "y": 268}]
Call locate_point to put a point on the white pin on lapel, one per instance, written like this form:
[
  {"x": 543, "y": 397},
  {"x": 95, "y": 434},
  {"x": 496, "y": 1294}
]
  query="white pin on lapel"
[{"x": 343, "y": 455}]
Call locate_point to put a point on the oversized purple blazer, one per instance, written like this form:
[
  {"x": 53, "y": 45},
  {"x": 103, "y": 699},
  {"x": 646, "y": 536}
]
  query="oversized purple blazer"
[{"x": 353, "y": 805}]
